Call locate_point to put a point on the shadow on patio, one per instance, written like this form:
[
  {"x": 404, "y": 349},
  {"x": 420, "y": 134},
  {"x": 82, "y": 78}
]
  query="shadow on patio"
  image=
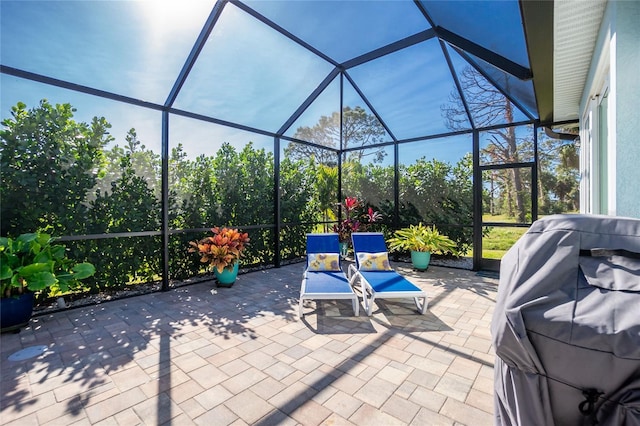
[{"x": 239, "y": 355}]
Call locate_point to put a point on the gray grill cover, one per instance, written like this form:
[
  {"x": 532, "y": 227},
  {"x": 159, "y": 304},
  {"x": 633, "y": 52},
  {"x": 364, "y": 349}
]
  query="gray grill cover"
[{"x": 566, "y": 322}]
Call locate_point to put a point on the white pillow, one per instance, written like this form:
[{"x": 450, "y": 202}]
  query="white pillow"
[
  {"x": 374, "y": 261},
  {"x": 324, "y": 262}
]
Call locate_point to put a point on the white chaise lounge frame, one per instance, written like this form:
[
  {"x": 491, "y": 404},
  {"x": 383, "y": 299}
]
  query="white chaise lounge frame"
[
  {"x": 381, "y": 284},
  {"x": 319, "y": 285}
]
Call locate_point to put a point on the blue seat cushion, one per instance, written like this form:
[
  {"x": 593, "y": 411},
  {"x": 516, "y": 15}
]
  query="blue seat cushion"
[
  {"x": 388, "y": 281},
  {"x": 327, "y": 282}
]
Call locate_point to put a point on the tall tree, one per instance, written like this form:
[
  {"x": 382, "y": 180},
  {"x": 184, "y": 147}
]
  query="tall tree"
[
  {"x": 129, "y": 206},
  {"x": 326, "y": 191},
  {"x": 559, "y": 163},
  {"x": 359, "y": 130},
  {"x": 145, "y": 162},
  {"x": 488, "y": 106},
  {"x": 441, "y": 193},
  {"x": 369, "y": 182},
  {"x": 48, "y": 164}
]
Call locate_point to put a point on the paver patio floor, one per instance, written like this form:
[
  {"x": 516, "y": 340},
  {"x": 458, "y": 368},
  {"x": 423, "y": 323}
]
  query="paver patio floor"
[{"x": 241, "y": 356}]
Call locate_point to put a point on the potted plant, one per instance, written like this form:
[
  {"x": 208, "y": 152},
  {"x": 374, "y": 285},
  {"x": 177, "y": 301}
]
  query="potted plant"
[
  {"x": 421, "y": 241},
  {"x": 347, "y": 225},
  {"x": 222, "y": 251},
  {"x": 32, "y": 263},
  {"x": 351, "y": 223}
]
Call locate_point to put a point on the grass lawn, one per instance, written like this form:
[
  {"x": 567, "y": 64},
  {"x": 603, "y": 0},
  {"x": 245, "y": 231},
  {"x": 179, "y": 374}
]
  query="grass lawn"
[{"x": 496, "y": 243}]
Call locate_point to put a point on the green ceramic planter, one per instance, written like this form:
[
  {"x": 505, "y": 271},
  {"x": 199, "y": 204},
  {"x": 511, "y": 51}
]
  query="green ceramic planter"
[
  {"x": 420, "y": 260},
  {"x": 226, "y": 278}
]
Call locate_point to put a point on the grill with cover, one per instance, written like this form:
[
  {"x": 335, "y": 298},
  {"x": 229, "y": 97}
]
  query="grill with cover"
[{"x": 566, "y": 328}]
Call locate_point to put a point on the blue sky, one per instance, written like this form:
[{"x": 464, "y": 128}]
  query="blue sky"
[{"x": 247, "y": 73}]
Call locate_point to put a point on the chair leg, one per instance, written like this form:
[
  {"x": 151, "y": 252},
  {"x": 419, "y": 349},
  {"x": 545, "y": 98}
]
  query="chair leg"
[
  {"x": 356, "y": 306},
  {"x": 366, "y": 301},
  {"x": 300, "y": 312},
  {"x": 422, "y": 307},
  {"x": 370, "y": 305}
]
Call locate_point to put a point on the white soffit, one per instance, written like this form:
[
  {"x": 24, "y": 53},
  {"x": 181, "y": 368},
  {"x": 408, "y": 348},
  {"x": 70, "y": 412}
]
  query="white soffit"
[{"x": 575, "y": 30}]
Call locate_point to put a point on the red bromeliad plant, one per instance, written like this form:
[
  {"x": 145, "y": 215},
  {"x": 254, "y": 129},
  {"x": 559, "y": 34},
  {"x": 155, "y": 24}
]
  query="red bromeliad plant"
[
  {"x": 350, "y": 203},
  {"x": 348, "y": 225},
  {"x": 351, "y": 223},
  {"x": 373, "y": 216},
  {"x": 221, "y": 250},
  {"x": 345, "y": 228}
]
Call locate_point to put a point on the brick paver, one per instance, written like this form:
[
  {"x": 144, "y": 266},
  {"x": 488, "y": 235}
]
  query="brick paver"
[{"x": 241, "y": 356}]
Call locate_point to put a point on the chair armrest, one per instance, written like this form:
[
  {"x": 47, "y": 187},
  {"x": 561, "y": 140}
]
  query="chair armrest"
[{"x": 351, "y": 272}]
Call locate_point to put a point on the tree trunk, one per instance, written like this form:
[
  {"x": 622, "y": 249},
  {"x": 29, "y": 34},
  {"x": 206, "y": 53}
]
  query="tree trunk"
[{"x": 513, "y": 157}]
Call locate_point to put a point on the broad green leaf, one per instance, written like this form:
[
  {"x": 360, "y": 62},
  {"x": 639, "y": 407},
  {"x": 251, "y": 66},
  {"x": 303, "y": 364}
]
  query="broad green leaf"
[
  {"x": 42, "y": 257},
  {"x": 5, "y": 272},
  {"x": 40, "y": 281},
  {"x": 35, "y": 268},
  {"x": 43, "y": 239},
  {"x": 26, "y": 238},
  {"x": 63, "y": 282},
  {"x": 83, "y": 270},
  {"x": 12, "y": 260},
  {"x": 58, "y": 252},
  {"x": 36, "y": 247}
]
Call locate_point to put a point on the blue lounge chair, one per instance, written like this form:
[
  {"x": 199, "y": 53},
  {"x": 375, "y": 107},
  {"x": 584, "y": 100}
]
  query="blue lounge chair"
[
  {"x": 377, "y": 279},
  {"x": 324, "y": 278}
]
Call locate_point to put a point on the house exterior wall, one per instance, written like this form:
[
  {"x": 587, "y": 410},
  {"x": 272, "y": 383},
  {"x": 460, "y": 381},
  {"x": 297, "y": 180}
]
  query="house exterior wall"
[
  {"x": 627, "y": 116},
  {"x": 610, "y": 127}
]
